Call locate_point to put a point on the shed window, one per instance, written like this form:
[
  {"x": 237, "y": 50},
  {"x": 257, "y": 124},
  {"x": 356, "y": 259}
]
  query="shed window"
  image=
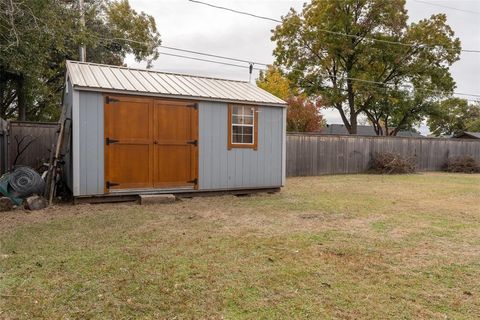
[{"x": 243, "y": 122}]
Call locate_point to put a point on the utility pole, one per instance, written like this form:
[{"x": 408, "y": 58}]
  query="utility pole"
[{"x": 82, "y": 50}]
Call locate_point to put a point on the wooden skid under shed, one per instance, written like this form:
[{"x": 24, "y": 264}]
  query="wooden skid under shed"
[{"x": 110, "y": 198}]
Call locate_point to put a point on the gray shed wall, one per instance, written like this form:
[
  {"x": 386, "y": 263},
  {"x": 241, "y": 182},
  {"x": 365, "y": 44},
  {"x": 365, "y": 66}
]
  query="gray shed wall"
[
  {"x": 91, "y": 143},
  {"x": 219, "y": 168}
]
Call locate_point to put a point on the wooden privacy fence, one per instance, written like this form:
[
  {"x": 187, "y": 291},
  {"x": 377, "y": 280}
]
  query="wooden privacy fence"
[
  {"x": 30, "y": 142},
  {"x": 312, "y": 155},
  {"x": 3, "y": 146}
]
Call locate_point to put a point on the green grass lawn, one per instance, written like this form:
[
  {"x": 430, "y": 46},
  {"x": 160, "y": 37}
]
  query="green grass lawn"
[{"x": 347, "y": 247}]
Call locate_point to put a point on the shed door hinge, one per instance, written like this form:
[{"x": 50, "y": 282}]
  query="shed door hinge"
[
  {"x": 109, "y": 141},
  {"x": 194, "y": 142},
  {"x": 194, "y": 106},
  {"x": 111, "y": 184},
  {"x": 194, "y": 181},
  {"x": 109, "y": 100}
]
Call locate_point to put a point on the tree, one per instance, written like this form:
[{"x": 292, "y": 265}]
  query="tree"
[
  {"x": 275, "y": 82},
  {"x": 397, "y": 110},
  {"x": 303, "y": 115},
  {"x": 473, "y": 125},
  {"x": 37, "y": 36},
  {"x": 329, "y": 51},
  {"x": 453, "y": 116}
]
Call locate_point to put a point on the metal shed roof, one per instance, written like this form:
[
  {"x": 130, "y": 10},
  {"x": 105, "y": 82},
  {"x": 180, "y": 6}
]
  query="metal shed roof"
[{"x": 106, "y": 78}]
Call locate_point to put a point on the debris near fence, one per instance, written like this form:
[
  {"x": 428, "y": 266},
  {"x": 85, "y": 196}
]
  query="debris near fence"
[
  {"x": 36, "y": 203},
  {"x": 6, "y": 204},
  {"x": 20, "y": 184},
  {"x": 391, "y": 163},
  {"x": 465, "y": 164}
]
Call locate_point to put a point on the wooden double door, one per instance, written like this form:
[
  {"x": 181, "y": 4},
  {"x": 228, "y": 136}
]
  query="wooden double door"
[{"x": 150, "y": 143}]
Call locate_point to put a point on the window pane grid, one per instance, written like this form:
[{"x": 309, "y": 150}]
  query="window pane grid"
[{"x": 242, "y": 125}]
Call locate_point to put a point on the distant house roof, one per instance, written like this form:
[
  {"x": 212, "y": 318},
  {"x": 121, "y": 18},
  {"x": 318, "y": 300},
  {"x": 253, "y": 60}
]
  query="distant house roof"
[
  {"x": 106, "y": 78},
  {"x": 468, "y": 135},
  {"x": 363, "y": 131}
]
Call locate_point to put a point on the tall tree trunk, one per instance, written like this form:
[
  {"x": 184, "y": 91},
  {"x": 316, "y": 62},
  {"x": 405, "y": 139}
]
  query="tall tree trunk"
[
  {"x": 351, "y": 104},
  {"x": 387, "y": 129},
  {"x": 353, "y": 123},
  {"x": 344, "y": 116},
  {"x": 21, "y": 98}
]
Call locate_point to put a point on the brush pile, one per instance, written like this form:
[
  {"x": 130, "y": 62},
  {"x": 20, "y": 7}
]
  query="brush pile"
[
  {"x": 391, "y": 163},
  {"x": 465, "y": 164}
]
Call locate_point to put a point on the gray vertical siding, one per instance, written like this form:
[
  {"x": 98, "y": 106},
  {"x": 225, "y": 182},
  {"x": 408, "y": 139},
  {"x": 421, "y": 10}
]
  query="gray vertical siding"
[
  {"x": 91, "y": 143},
  {"x": 220, "y": 168}
]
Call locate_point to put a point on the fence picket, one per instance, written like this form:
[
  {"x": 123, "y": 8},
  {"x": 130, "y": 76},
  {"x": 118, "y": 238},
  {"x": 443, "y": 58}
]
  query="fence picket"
[{"x": 310, "y": 154}]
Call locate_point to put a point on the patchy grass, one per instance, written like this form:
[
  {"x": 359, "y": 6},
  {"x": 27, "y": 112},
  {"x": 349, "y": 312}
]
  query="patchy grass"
[{"x": 362, "y": 246}]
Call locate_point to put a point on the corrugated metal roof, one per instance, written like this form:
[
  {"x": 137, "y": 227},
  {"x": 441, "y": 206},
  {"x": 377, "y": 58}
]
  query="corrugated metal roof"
[{"x": 105, "y": 78}]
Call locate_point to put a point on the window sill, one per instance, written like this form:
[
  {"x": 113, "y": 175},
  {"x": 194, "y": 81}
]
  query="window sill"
[{"x": 242, "y": 146}]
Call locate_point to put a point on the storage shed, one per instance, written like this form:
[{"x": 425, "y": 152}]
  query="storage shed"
[{"x": 137, "y": 131}]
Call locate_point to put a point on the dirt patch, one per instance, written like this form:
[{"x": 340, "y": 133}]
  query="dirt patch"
[{"x": 18, "y": 217}]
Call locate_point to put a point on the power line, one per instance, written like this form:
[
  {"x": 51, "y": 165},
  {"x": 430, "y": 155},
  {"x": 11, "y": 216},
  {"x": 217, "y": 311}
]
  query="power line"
[
  {"x": 186, "y": 50},
  {"x": 236, "y": 11},
  {"x": 407, "y": 86},
  {"x": 343, "y": 78},
  {"x": 213, "y": 55},
  {"x": 332, "y": 32},
  {"x": 262, "y": 69},
  {"x": 189, "y": 51},
  {"x": 211, "y": 61},
  {"x": 447, "y": 7}
]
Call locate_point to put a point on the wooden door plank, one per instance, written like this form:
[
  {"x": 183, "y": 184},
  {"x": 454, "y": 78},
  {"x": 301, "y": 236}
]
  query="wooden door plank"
[
  {"x": 129, "y": 160},
  {"x": 176, "y": 155}
]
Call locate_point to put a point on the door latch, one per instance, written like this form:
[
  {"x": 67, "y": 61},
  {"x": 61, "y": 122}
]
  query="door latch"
[
  {"x": 111, "y": 184},
  {"x": 109, "y": 100},
  {"x": 194, "y": 142},
  {"x": 109, "y": 141}
]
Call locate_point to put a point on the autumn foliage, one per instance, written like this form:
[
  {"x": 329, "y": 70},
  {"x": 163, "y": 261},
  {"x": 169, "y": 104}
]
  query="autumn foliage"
[{"x": 303, "y": 115}]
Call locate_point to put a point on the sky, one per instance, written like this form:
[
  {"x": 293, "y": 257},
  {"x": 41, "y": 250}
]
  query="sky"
[{"x": 187, "y": 25}]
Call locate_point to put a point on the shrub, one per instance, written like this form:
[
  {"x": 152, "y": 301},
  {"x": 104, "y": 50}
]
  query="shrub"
[
  {"x": 391, "y": 163},
  {"x": 465, "y": 164}
]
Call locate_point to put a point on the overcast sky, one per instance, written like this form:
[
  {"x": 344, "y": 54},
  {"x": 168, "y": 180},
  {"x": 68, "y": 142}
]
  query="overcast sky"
[{"x": 192, "y": 26}]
